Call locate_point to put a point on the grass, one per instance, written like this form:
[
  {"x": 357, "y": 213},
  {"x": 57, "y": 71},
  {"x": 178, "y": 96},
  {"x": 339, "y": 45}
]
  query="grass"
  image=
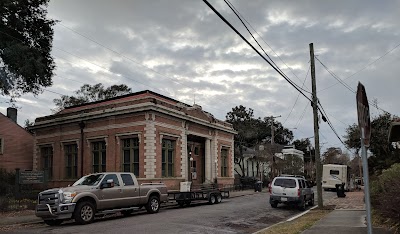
[{"x": 298, "y": 225}]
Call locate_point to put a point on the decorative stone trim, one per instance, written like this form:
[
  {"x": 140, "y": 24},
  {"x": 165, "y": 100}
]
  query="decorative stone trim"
[
  {"x": 119, "y": 136},
  {"x": 98, "y": 138}
]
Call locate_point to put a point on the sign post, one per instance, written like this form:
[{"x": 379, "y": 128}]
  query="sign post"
[{"x": 364, "y": 124}]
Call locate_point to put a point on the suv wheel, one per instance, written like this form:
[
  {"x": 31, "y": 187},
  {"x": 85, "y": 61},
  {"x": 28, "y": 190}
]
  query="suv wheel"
[
  {"x": 311, "y": 202},
  {"x": 302, "y": 205},
  {"x": 274, "y": 205}
]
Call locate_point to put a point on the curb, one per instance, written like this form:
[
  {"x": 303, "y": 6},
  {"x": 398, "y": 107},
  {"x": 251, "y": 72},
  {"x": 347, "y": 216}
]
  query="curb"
[{"x": 288, "y": 220}]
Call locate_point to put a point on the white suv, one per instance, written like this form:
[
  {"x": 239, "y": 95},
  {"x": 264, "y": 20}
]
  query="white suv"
[{"x": 290, "y": 189}]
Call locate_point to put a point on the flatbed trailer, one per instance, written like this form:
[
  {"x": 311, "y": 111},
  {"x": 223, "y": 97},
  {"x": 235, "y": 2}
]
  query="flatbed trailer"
[{"x": 210, "y": 193}]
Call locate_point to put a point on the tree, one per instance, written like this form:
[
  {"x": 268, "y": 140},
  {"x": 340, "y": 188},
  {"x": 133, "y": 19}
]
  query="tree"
[
  {"x": 26, "y": 36},
  {"x": 88, "y": 93},
  {"x": 292, "y": 165},
  {"x": 382, "y": 157},
  {"x": 253, "y": 131}
]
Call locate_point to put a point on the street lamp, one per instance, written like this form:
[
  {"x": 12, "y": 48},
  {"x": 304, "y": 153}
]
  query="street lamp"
[
  {"x": 215, "y": 179},
  {"x": 191, "y": 165}
]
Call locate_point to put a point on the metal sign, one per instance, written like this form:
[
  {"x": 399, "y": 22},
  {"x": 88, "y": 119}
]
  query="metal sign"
[
  {"x": 31, "y": 177},
  {"x": 363, "y": 114}
]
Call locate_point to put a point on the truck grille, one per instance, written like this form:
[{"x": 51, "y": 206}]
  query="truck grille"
[{"x": 51, "y": 198}]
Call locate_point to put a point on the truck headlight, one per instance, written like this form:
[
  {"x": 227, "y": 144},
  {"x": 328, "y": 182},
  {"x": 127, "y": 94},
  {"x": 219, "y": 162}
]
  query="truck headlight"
[{"x": 68, "y": 196}]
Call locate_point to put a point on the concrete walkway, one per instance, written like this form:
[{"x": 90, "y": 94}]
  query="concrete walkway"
[
  {"x": 28, "y": 217},
  {"x": 349, "y": 216}
]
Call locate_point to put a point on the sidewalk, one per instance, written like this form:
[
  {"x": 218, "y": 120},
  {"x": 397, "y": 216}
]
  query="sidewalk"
[
  {"x": 28, "y": 216},
  {"x": 349, "y": 216}
]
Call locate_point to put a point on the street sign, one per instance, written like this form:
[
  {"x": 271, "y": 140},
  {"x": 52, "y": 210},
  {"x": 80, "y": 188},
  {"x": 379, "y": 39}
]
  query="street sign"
[
  {"x": 31, "y": 177},
  {"x": 364, "y": 122}
]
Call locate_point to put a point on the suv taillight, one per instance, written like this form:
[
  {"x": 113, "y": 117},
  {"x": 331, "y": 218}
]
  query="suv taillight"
[{"x": 298, "y": 192}]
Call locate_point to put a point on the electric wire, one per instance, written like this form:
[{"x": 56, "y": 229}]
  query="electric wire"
[
  {"x": 265, "y": 42},
  {"x": 369, "y": 64},
  {"x": 241, "y": 36}
]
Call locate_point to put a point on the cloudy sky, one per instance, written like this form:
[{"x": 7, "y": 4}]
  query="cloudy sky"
[{"x": 181, "y": 49}]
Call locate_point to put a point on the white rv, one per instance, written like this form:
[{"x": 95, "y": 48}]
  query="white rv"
[{"x": 333, "y": 174}]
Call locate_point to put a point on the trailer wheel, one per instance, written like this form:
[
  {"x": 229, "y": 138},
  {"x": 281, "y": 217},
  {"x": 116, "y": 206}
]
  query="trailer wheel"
[
  {"x": 188, "y": 203},
  {"x": 153, "y": 205},
  {"x": 53, "y": 222},
  {"x": 181, "y": 203},
  {"x": 218, "y": 198},
  {"x": 212, "y": 199}
]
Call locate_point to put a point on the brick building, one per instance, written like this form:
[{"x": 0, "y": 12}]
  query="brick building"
[
  {"x": 151, "y": 135},
  {"x": 16, "y": 144}
]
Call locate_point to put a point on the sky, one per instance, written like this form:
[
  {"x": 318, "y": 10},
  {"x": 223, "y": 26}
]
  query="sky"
[{"x": 183, "y": 50}]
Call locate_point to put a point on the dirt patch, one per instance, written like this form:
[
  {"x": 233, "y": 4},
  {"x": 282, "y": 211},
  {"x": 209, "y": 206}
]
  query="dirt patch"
[{"x": 17, "y": 213}]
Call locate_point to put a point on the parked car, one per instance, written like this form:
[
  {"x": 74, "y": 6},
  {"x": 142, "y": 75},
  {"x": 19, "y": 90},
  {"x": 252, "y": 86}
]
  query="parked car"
[
  {"x": 290, "y": 189},
  {"x": 99, "y": 193}
]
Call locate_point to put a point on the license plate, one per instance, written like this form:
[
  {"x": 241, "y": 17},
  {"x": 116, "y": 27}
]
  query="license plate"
[{"x": 283, "y": 199}]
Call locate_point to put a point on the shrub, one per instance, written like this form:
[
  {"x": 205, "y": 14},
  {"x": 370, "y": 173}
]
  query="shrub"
[
  {"x": 385, "y": 199},
  {"x": 7, "y": 182}
]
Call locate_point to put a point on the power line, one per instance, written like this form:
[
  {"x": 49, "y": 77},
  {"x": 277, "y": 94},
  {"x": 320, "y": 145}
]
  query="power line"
[
  {"x": 346, "y": 85},
  {"x": 265, "y": 42},
  {"x": 272, "y": 61},
  {"x": 241, "y": 36},
  {"x": 369, "y": 64},
  {"x": 298, "y": 95}
]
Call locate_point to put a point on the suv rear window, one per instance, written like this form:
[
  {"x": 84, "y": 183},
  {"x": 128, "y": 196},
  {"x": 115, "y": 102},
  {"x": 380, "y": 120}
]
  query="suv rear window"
[{"x": 287, "y": 183}]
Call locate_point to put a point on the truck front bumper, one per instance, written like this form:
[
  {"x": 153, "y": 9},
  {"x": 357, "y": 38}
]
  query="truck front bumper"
[{"x": 60, "y": 211}]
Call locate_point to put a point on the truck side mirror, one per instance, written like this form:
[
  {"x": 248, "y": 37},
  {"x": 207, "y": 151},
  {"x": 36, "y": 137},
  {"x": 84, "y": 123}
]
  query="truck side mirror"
[{"x": 108, "y": 184}]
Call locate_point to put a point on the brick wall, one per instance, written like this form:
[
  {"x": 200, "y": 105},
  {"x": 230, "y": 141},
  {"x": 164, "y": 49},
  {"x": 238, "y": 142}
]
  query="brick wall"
[{"x": 17, "y": 146}]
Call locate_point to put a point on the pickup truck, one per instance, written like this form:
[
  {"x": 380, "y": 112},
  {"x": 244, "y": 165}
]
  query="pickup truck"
[{"x": 97, "y": 194}]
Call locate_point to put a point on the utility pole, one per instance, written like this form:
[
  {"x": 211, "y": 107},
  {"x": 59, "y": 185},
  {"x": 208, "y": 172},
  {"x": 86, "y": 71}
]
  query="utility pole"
[
  {"x": 272, "y": 144},
  {"x": 316, "y": 128}
]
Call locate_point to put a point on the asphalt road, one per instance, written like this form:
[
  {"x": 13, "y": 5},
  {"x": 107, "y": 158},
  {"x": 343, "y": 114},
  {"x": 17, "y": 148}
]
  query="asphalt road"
[{"x": 245, "y": 214}]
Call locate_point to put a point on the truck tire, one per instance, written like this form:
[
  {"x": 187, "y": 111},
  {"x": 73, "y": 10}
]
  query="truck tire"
[
  {"x": 53, "y": 222},
  {"x": 153, "y": 205},
  {"x": 84, "y": 212},
  {"x": 212, "y": 199},
  {"x": 218, "y": 198}
]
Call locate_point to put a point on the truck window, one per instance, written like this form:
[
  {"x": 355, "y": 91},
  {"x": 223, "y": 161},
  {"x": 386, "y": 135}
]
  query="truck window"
[
  {"x": 334, "y": 172},
  {"x": 127, "y": 179},
  {"x": 113, "y": 177},
  {"x": 91, "y": 180}
]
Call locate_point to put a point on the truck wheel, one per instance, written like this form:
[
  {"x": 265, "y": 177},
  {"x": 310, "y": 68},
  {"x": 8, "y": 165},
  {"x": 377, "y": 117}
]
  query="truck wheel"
[
  {"x": 53, "y": 222},
  {"x": 212, "y": 199},
  {"x": 126, "y": 212},
  {"x": 218, "y": 198},
  {"x": 153, "y": 205},
  {"x": 84, "y": 212}
]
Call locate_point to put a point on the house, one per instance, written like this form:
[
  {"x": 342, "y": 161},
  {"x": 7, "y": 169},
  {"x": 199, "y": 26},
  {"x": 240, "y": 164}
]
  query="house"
[
  {"x": 157, "y": 138},
  {"x": 16, "y": 143}
]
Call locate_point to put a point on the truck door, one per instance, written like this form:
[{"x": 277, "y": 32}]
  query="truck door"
[
  {"x": 111, "y": 197},
  {"x": 131, "y": 195}
]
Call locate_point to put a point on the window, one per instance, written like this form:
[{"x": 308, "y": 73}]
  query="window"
[
  {"x": 113, "y": 177},
  {"x": 130, "y": 155},
  {"x": 224, "y": 163},
  {"x": 286, "y": 183},
  {"x": 47, "y": 160},
  {"x": 168, "y": 152},
  {"x": 99, "y": 156},
  {"x": 1, "y": 145},
  {"x": 127, "y": 179},
  {"x": 196, "y": 150},
  {"x": 71, "y": 158},
  {"x": 334, "y": 172}
]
